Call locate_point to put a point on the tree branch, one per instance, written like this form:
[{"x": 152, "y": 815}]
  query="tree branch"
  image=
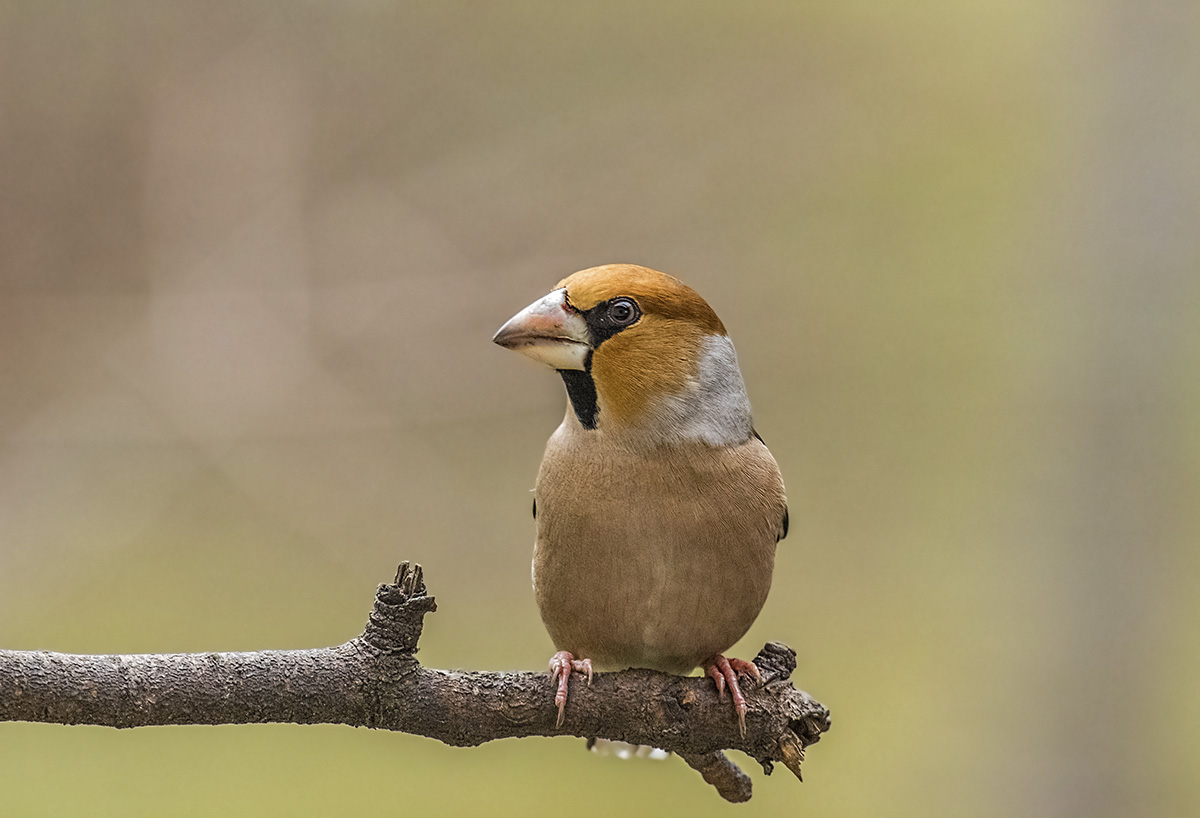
[{"x": 374, "y": 680}]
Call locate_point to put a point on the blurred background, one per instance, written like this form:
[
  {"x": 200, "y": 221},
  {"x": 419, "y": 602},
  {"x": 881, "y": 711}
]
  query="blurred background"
[{"x": 252, "y": 255}]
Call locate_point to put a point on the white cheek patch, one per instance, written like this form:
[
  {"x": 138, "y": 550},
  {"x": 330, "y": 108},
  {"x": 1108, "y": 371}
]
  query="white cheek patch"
[{"x": 714, "y": 407}]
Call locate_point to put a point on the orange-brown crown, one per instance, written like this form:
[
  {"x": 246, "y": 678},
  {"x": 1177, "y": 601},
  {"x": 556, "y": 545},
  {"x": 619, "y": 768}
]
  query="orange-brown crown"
[{"x": 656, "y": 293}]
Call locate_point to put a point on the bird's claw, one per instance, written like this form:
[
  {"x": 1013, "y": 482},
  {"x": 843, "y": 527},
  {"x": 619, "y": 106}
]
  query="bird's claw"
[
  {"x": 562, "y": 664},
  {"x": 724, "y": 673},
  {"x": 713, "y": 672}
]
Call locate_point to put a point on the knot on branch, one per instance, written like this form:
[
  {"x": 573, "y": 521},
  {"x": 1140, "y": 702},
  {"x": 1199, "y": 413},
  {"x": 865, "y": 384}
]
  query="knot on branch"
[
  {"x": 812, "y": 721},
  {"x": 805, "y": 718},
  {"x": 776, "y": 662},
  {"x": 398, "y": 614}
]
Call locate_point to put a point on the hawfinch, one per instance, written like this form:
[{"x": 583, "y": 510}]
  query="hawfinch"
[{"x": 658, "y": 507}]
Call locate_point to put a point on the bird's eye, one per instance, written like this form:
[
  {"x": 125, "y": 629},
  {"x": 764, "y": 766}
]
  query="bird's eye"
[{"x": 623, "y": 311}]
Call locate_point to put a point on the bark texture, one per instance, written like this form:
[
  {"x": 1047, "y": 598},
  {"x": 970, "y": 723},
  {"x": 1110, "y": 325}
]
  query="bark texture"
[{"x": 374, "y": 680}]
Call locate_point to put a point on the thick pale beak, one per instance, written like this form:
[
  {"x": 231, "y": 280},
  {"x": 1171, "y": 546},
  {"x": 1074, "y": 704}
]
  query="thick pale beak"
[{"x": 548, "y": 330}]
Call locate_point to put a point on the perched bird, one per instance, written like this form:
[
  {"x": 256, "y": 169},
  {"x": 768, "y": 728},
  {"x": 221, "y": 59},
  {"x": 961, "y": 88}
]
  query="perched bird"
[{"x": 658, "y": 506}]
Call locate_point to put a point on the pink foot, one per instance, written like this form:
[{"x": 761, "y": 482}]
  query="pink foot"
[
  {"x": 561, "y": 665},
  {"x": 725, "y": 672}
]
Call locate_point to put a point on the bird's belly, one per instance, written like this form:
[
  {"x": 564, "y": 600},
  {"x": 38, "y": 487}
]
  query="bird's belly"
[{"x": 661, "y": 583}]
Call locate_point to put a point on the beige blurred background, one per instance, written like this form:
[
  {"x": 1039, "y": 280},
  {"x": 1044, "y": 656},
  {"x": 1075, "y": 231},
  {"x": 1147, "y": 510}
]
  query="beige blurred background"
[{"x": 252, "y": 255}]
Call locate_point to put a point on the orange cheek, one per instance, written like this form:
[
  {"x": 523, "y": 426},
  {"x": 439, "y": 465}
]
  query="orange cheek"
[{"x": 656, "y": 357}]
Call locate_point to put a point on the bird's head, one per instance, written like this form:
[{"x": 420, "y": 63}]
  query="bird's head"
[{"x": 640, "y": 353}]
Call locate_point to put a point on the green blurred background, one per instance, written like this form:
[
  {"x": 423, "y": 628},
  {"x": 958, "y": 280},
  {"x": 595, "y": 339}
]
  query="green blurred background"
[{"x": 252, "y": 254}]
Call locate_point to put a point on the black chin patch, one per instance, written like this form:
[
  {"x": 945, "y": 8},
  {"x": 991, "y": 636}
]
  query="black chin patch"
[{"x": 581, "y": 390}]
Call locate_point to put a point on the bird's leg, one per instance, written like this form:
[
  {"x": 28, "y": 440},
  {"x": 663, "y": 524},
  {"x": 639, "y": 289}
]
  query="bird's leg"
[
  {"x": 561, "y": 665},
  {"x": 725, "y": 672}
]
